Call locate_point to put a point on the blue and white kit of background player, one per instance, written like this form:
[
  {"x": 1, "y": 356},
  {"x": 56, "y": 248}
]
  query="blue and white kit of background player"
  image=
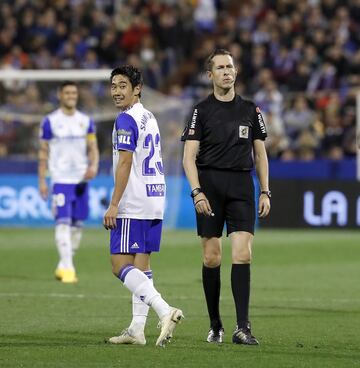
[
  {"x": 68, "y": 161},
  {"x": 141, "y": 208}
]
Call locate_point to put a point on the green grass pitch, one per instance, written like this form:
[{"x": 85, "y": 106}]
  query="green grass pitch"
[{"x": 305, "y": 303}]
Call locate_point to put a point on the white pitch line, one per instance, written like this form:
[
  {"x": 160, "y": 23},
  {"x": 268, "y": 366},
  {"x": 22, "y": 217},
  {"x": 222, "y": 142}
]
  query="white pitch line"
[
  {"x": 59, "y": 295},
  {"x": 179, "y": 297}
]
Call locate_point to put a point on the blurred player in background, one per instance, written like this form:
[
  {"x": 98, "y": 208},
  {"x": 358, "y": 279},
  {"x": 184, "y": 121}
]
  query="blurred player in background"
[
  {"x": 136, "y": 209},
  {"x": 222, "y": 137},
  {"x": 68, "y": 148}
]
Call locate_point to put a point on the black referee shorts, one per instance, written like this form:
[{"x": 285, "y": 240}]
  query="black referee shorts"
[{"x": 231, "y": 197}]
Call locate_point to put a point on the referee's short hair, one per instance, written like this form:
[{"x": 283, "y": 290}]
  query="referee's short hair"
[
  {"x": 209, "y": 60},
  {"x": 134, "y": 75}
]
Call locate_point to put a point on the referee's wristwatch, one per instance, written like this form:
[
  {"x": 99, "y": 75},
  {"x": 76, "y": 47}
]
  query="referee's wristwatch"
[
  {"x": 266, "y": 192},
  {"x": 195, "y": 192}
]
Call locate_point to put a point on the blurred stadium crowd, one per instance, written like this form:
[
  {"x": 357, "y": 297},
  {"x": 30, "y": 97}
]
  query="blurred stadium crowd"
[{"x": 299, "y": 60}]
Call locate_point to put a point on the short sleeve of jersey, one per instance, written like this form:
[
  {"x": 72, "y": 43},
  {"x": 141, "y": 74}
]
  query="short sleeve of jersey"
[
  {"x": 45, "y": 129},
  {"x": 193, "y": 127},
  {"x": 127, "y": 133},
  {"x": 259, "y": 125},
  {"x": 92, "y": 127}
]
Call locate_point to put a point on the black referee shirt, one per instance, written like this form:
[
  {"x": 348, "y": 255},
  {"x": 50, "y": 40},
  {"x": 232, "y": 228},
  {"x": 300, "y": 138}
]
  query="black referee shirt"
[{"x": 226, "y": 131}]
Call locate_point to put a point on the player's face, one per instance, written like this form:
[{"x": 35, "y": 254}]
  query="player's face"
[
  {"x": 68, "y": 97},
  {"x": 122, "y": 92},
  {"x": 223, "y": 72}
]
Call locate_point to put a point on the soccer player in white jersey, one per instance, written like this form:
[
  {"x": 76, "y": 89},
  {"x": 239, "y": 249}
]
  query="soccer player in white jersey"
[
  {"x": 68, "y": 148},
  {"x": 136, "y": 208}
]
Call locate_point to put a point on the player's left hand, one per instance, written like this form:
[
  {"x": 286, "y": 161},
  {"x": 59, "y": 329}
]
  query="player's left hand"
[
  {"x": 90, "y": 172},
  {"x": 264, "y": 206},
  {"x": 109, "y": 220}
]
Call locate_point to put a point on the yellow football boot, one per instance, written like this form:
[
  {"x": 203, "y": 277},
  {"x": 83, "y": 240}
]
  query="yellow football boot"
[
  {"x": 59, "y": 272},
  {"x": 66, "y": 276}
]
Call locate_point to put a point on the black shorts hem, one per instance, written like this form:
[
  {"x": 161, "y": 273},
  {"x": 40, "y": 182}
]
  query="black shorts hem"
[
  {"x": 209, "y": 235},
  {"x": 250, "y": 231}
]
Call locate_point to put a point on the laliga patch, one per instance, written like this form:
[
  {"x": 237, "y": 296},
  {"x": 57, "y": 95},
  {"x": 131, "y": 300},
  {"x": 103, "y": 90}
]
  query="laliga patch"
[
  {"x": 123, "y": 132},
  {"x": 243, "y": 131},
  {"x": 155, "y": 190}
]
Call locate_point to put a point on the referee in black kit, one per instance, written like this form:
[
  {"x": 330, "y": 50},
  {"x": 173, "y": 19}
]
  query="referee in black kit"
[{"x": 221, "y": 139}]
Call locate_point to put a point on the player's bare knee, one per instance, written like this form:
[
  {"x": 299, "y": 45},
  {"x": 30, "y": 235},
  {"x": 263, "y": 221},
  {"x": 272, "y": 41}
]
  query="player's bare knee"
[
  {"x": 241, "y": 261},
  {"x": 243, "y": 257},
  {"x": 212, "y": 259}
]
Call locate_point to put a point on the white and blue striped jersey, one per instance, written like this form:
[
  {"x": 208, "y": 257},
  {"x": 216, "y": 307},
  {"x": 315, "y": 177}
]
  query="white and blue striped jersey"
[
  {"x": 67, "y": 137},
  {"x": 136, "y": 130}
]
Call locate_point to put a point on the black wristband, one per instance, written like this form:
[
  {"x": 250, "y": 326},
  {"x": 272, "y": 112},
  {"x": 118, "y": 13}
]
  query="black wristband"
[
  {"x": 198, "y": 201},
  {"x": 266, "y": 192},
  {"x": 195, "y": 192}
]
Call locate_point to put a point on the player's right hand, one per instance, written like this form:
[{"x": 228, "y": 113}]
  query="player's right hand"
[
  {"x": 90, "y": 173},
  {"x": 109, "y": 220},
  {"x": 44, "y": 191},
  {"x": 202, "y": 205}
]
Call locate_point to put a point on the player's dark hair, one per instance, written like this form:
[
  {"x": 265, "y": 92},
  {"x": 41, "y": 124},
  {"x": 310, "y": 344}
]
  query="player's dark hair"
[
  {"x": 67, "y": 83},
  {"x": 209, "y": 60},
  {"x": 133, "y": 74}
]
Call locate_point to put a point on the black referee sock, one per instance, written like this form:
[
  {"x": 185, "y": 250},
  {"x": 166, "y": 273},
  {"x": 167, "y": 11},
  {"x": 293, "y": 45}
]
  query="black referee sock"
[
  {"x": 211, "y": 284},
  {"x": 240, "y": 285}
]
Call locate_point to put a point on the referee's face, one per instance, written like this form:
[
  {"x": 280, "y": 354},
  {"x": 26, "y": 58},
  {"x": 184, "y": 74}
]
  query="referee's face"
[
  {"x": 223, "y": 72},
  {"x": 122, "y": 92}
]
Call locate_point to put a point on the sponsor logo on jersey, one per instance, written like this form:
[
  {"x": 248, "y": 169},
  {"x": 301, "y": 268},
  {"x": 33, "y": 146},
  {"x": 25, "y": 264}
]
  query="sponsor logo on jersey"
[
  {"x": 123, "y": 139},
  {"x": 243, "y": 131},
  {"x": 135, "y": 246},
  {"x": 155, "y": 190},
  {"x": 191, "y": 131},
  {"x": 123, "y": 132},
  {"x": 193, "y": 119},
  {"x": 261, "y": 121}
]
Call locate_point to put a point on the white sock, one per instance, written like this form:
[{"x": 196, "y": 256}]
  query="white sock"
[
  {"x": 141, "y": 286},
  {"x": 63, "y": 244},
  {"x": 140, "y": 310},
  {"x": 76, "y": 234}
]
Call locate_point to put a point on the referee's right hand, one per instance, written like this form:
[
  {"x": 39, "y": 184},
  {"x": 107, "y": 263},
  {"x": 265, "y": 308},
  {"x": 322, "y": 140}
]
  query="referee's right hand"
[{"x": 202, "y": 205}]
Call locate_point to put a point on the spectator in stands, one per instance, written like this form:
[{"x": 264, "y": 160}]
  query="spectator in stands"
[
  {"x": 306, "y": 47},
  {"x": 277, "y": 141},
  {"x": 270, "y": 99},
  {"x": 298, "y": 118}
]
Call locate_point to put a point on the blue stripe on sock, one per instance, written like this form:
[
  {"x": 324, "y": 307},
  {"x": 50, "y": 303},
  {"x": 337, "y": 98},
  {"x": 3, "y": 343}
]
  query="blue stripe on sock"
[
  {"x": 124, "y": 271},
  {"x": 148, "y": 274}
]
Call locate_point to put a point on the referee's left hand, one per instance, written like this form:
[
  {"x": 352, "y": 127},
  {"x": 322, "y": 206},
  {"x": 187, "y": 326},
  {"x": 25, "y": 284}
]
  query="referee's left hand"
[
  {"x": 264, "y": 205},
  {"x": 202, "y": 205}
]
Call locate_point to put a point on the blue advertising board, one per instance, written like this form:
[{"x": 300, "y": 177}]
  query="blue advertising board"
[{"x": 21, "y": 204}]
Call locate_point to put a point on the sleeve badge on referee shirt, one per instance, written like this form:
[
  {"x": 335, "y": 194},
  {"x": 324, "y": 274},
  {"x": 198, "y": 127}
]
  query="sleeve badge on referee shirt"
[{"x": 243, "y": 131}]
